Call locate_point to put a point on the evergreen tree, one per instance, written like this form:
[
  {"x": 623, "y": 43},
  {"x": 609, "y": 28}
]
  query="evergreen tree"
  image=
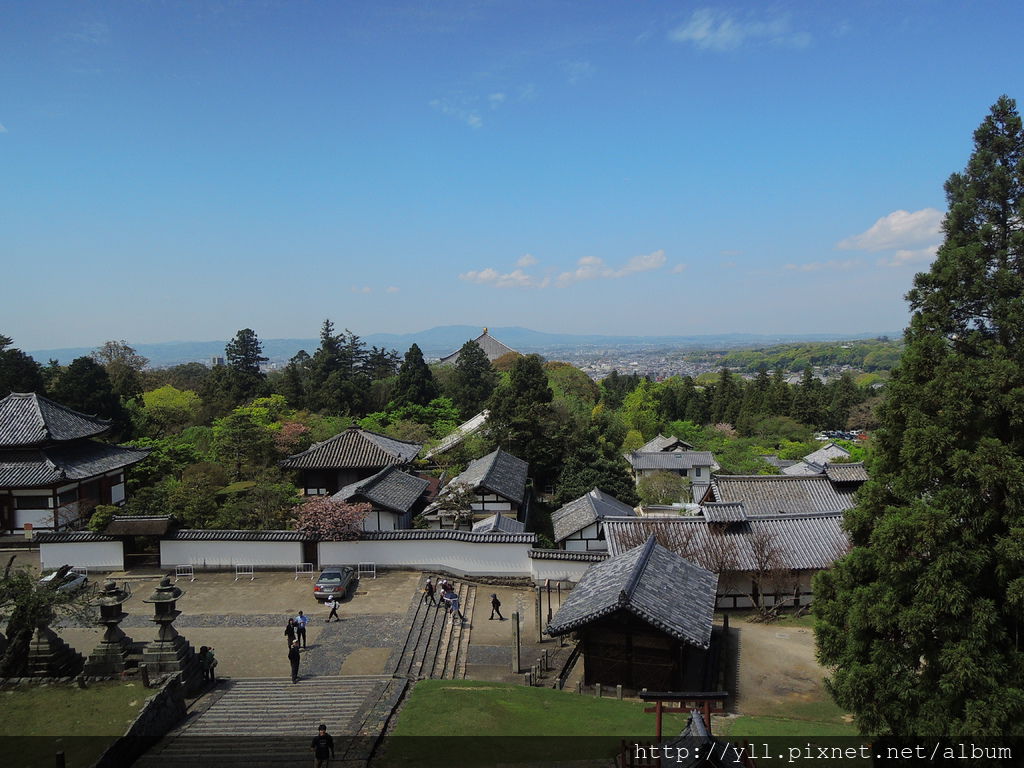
[
  {"x": 415, "y": 385},
  {"x": 381, "y": 363},
  {"x": 85, "y": 386},
  {"x": 338, "y": 383},
  {"x": 523, "y": 421},
  {"x": 295, "y": 382},
  {"x": 777, "y": 398},
  {"x": 473, "y": 380},
  {"x": 807, "y": 400},
  {"x": 18, "y": 371},
  {"x": 725, "y": 406},
  {"x": 844, "y": 395},
  {"x": 244, "y": 353},
  {"x": 922, "y": 619}
]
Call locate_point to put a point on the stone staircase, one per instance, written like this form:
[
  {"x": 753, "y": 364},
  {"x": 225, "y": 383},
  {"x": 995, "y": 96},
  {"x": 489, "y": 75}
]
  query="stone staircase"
[
  {"x": 271, "y": 722},
  {"x": 437, "y": 646}
]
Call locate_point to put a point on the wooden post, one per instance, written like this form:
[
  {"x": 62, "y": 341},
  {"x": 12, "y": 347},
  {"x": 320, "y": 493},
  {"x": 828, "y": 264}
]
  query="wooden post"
[
  {"x": 535, "y": 672},
  {"x": 597, "y": 690},
  {"x": 579, "y": 687},
  {"x": 527, "y": 679},
  {"x": 516, "y": 643},
  {"x": 618, "y": 692},
  {"x": 547, "y": 586},
  {"x": 539, "y": 610},
  {"x": 144, "y": 672},
  {"x": 657, "y": 722},
  {"x": 544, "y": 660}
]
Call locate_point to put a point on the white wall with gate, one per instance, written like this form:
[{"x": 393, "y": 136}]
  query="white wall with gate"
[{"x": 467, "y": 558}]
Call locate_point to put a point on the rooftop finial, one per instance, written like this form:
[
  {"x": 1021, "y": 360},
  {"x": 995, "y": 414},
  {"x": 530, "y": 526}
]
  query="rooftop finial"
[{"x": 485, "y": 330}]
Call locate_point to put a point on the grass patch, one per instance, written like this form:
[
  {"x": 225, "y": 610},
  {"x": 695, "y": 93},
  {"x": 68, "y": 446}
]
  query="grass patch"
[
  {"x": 522, "y": 726},
  {"x": 51, "y": 718},
  {"x": 747, "y": 727}
]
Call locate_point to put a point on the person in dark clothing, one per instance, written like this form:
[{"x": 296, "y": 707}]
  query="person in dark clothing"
[
  {"x": 289, "y": 632},
  {"x": 496, "y": 608},
  {"x": 206, "y": 663},
  {"x": 323, "y": 747},
  {"x": 428, "y": 593},
  {"x": 293, "y": 657}
]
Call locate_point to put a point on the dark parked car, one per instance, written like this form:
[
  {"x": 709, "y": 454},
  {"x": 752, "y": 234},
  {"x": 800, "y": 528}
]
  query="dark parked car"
[{"x": 340, "y": 582}]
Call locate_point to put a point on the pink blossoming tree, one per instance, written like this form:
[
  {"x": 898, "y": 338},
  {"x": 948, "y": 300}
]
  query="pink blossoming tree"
[{"x": 330, "y": 519}]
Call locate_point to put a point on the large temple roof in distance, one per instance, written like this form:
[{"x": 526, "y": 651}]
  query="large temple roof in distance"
[{"x": 490, "y": 345}]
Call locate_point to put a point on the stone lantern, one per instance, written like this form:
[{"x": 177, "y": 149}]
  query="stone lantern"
[
  {"x": 169, "y": 652},
  {"x": 108, "y": 658}
]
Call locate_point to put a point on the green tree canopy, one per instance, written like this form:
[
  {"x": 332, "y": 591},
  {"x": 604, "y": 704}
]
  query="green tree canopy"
[
  {"x": 85, "y": 386},
  {"x": 244, "y": 353},
  {"x": 922, "y": 619},
  {"x": 473, "y": 379},
  {"x": 18, "y": 371},
  {"x": 415, "y": 385}
]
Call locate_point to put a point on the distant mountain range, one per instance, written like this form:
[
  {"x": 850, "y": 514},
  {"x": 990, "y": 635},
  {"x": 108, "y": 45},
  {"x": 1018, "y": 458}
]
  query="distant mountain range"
[{"x": 440, "y": 341}]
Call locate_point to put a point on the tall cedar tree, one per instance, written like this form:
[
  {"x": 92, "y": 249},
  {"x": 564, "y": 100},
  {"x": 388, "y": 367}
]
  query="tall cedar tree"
[
  {"x": 523, "y": 421},
  {"x": 473, "y": 381},
  {"x": 18, "y": 371},
  {"x": 337, "y": 381},
  {"x": 415, "y": 385},
  {"x": 244, "y": 354},
  {"x": 922, "y": 619}
]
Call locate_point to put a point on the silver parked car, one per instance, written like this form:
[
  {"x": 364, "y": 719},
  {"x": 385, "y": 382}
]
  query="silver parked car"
[{"x": 339, "y": 581}]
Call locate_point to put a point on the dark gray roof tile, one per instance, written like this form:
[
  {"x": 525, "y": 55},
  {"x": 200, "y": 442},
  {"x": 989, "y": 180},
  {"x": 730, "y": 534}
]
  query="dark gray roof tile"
[
  {"x": 58, "y": 464},
  {"x": 804, "y": 542},
  {"x": 355, "y": 448},
  {"x": 499, "y": 472},
  {"x": 390, "y": 489},
  {"x": 651, "y": 582},
  {"x": 498, "y": 523},
  {"x": 782, "y": 494},
  {"x": 28, "y": 420},
  {"x": 579, "y": 513},
  {"x": 670, "y": 460},
  {"x": 490, "y": 346}
]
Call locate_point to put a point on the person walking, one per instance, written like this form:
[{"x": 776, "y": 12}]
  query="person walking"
[
  {"x": 496, "y": 607},
  {"x": 333, "y": 605},
  {"x": 453, "y": 604},
  {"x": 428, "y": 593},
  {"x": 293, "y": 657},
  {"x": 300, "y": 628},
  {"x": 323, "y": 747},
  {"x": 289, "y": 632}
]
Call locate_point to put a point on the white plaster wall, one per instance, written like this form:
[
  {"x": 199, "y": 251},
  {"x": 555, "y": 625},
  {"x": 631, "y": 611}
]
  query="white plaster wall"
[
  {"x": 221, "y": 554},
  {"x": 467, "y": 558},
  {"x": 559, "y": 570},
  {"x": 94, "y": 555}
]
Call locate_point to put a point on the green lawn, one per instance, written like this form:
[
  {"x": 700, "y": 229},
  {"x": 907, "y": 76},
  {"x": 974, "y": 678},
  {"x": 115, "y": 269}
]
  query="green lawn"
[
  {"x": 81, "y": 723},
  {"x": 532, "y": 725}
]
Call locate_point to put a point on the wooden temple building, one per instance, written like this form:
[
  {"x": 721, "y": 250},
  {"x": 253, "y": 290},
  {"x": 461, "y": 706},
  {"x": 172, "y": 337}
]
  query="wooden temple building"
[
  {"x": 643, "y": 619},
  {"x": 52, "y": 471},
  {"x": 355, "y": 454}
]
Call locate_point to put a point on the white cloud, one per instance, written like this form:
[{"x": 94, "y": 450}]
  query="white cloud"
[
  {"x": 364, "y": 289},
  {"x": 832, "y": 264},
  {"x": 678, "y": 269},
  {"x": 713, "y": 30},
  {"x": 526, "y": 260},
  {"x": 900, "y": 229},
  {"x": 3, "y": 128},
  {"x": 906, "y": 256},
  {"x": 514, "y": 279},
  {"x": 392, "y": 289},
  {"x": 594, "y": 268},
  {"x": 496, "y": 100}
]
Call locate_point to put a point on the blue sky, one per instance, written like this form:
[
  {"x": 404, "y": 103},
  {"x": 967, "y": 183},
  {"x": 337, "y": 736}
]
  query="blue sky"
[{"x": 180, "y": 170}]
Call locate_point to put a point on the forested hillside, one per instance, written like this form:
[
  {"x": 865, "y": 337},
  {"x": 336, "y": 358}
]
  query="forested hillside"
[{"x": 218, "y": 434}]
